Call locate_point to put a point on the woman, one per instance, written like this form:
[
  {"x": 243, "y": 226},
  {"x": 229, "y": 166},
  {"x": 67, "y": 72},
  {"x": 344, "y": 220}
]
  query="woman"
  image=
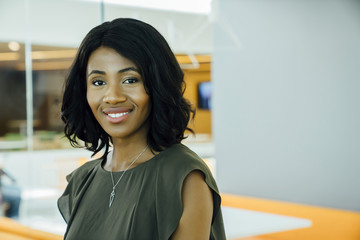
[{"x": 125, "y": 91}]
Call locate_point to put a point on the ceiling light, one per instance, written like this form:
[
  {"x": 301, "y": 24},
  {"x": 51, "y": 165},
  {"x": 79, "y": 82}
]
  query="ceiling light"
[{"x": 14, "y": 46}]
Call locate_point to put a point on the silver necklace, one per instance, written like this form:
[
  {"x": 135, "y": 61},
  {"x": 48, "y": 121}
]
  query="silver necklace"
[{"x": 112, "y": 194}]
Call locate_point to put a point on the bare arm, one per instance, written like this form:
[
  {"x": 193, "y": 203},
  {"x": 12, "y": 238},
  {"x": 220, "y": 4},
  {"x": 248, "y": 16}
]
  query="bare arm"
[{"x": 197, "y": 213}]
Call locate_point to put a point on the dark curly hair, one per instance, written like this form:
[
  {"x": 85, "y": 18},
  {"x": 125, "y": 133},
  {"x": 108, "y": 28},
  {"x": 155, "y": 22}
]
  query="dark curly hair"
[{"x": 163, "y": 81}]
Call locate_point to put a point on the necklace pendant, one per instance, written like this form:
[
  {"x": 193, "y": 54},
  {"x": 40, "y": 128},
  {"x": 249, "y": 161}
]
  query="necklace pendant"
[{"x": 112, "y": 195}]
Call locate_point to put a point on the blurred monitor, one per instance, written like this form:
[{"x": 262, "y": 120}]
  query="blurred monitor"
[{"x": 204, "y": 95}]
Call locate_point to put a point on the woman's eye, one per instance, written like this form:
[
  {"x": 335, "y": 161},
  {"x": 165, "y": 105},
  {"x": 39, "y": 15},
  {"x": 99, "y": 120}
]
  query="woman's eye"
[
  {"x": 98, "y": 82},
  {"x": 130, "y": 80}
]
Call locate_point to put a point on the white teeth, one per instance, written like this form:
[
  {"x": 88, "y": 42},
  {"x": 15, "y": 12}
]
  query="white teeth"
[{"x": 117, "y": 115}]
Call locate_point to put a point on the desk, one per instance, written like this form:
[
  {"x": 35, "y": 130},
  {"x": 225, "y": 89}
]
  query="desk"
[{"x": 245, "y": 223}]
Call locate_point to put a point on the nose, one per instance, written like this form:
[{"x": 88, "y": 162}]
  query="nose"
[{"x": 114, "y": 95}]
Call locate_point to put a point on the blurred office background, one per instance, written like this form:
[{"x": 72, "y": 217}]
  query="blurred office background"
[{"x": 276, "y": 85}]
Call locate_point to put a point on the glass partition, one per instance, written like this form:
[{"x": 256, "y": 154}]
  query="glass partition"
[
  {"x": 12, "y": 97},
  {"x": 49, "y": 65},
  {"x": 35, "y": 158}
]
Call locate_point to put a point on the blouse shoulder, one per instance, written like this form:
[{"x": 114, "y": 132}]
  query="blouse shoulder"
[
  {"x": 179, "y": 160},
  {"x": 77, "y": 182},
  {"x": 174, "y": 165}
]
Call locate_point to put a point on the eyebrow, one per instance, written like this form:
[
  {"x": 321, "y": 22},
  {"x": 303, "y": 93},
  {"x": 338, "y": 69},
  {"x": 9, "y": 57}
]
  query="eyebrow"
[{"x": 120, "y": 71}]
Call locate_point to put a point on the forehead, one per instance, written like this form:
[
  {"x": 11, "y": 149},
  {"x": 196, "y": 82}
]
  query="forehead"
[{"x": 105, "y": 58}]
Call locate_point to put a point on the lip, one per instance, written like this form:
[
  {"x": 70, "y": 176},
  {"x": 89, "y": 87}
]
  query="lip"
[{"x": 117, "y": 115}]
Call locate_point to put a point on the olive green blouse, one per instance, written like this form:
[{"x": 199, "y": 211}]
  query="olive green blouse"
[{"x": 147, "y": 204}]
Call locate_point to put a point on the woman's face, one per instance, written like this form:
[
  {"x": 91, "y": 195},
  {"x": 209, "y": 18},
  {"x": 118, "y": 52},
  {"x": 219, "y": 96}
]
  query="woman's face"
[{"x": 116, "y": 94}]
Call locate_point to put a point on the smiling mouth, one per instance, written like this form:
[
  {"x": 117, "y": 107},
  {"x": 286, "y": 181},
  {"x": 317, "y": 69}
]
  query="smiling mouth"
[{"x": 118, "y": 115}]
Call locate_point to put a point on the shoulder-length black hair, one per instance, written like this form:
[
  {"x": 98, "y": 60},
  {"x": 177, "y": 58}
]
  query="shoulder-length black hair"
[{"x": 163, "y": 80}]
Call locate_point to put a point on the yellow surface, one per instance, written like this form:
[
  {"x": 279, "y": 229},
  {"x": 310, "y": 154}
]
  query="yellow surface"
[
  {"x": 327, "y": 223},
  {"x": 12, "y": 230}
]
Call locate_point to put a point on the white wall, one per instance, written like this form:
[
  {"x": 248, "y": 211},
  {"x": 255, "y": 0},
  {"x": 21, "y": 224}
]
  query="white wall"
[
  {"x": 286, "y": 100},
  {"x": 66, "y": 22}
]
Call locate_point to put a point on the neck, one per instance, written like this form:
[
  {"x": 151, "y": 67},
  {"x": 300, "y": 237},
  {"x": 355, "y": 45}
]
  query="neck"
[{"x": 121, "y": 157}]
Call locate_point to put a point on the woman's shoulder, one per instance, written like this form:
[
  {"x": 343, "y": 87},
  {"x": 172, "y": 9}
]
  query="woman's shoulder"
[
  {"x": 179, "y": 155},
  {"x": 178, "y": 161}
]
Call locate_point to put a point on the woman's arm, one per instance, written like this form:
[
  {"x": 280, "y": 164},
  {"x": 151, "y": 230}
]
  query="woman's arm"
[{"x": 197, "y": 213}]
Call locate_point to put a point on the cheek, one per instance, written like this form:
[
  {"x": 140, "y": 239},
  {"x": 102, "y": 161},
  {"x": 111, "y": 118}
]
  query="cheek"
[
  {"x": 142, "y": 100},
  {"x": 91, "y": 101},
  {"x": 144, "y": 104}
]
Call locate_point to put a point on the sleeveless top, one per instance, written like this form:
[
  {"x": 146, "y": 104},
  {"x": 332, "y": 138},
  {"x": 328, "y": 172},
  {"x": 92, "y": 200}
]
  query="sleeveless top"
[{"x": 147, "y": 204}]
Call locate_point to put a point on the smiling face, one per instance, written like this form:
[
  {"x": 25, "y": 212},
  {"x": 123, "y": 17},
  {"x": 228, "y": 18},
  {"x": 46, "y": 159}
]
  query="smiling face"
[{"x": 116, "y": 95}]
